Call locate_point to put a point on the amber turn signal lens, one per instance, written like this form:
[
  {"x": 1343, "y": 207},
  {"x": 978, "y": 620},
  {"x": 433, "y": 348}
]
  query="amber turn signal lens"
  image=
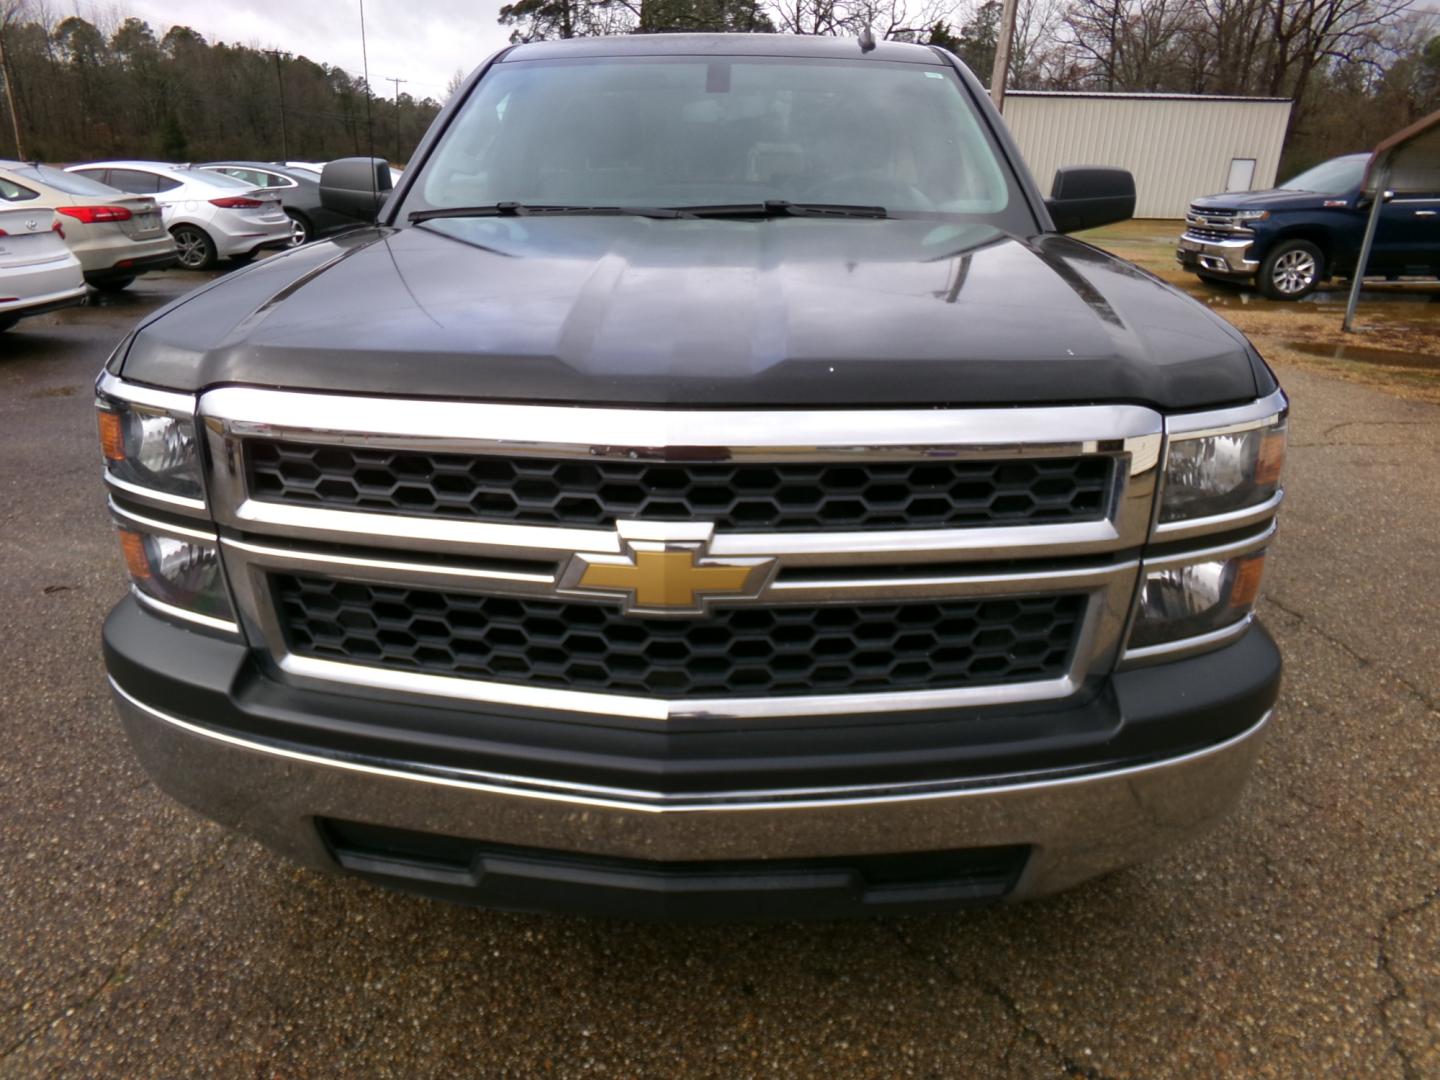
[
  {"x": 133, "y": 545},
  {"x": 1271, "y": 459},
  {"x": 112, "y": 436},
  {"x": 1246, "y": 589}
]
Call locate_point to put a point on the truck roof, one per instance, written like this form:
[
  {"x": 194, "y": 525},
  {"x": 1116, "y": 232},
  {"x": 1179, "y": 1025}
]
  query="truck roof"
[{"x": 833, "y": 48}]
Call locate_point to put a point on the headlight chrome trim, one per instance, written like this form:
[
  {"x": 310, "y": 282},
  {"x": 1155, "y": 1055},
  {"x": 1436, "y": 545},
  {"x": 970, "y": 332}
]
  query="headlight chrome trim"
[
  {"x": 1235, "y": 519},
  {"x": 156, "y": 499},
  {"x": 1258, "y": 413},
  {"x": 1191, "y": 646},
  {"x": 210, "y": 622}
]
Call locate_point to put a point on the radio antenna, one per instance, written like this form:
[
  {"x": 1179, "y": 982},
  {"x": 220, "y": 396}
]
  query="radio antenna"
[{"x": 369, "y": 124}]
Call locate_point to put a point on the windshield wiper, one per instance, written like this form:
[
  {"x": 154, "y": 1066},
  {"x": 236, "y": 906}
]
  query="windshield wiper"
[
  {"x": 515, "y": 209},
  {"x": 771, "y": 208}
]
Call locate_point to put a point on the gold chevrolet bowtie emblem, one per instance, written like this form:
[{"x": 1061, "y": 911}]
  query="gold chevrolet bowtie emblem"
[
  {"x": 664, "y": 570},
  {"x": 666, "y": 579}
]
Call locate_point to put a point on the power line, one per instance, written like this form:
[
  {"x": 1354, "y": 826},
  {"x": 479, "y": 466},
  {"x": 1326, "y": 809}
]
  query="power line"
[{"x": 361, "y": 74}]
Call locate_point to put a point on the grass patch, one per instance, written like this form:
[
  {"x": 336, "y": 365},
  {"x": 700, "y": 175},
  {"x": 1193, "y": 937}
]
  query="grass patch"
[{"x": 1396, "y": 347}]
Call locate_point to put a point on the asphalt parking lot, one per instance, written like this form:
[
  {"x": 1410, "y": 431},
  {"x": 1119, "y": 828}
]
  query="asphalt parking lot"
[{"x": 1302, "y": 938}]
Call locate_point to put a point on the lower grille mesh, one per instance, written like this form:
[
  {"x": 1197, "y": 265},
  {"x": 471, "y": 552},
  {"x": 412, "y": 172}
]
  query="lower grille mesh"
[{"x": 731, "y": 652}]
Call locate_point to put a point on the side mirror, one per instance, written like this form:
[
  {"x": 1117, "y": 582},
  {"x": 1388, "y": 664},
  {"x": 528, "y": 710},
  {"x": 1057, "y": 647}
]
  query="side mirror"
[
  {"x": 355, "y": 186},
  {"x": 1088, "y": 196}
]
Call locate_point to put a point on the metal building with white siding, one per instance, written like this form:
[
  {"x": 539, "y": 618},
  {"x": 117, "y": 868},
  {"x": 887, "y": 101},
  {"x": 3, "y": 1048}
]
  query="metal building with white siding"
[{"x": 1179, "y": 146}]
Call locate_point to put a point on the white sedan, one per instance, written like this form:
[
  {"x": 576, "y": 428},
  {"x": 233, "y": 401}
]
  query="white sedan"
[
  {"x": 318, "y": 167},
  {"x": 37, "y": 271},
  {"x": 211, "y": 216},
  {"x": 114, "y": 235}
]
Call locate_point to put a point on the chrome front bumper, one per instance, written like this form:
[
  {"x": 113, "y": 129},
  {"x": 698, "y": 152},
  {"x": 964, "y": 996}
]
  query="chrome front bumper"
[
  {"x": 1216, "y": 256},
  {"x": 1079, "y": 826}
]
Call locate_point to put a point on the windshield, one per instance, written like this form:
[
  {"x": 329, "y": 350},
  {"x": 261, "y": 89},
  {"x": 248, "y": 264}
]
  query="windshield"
[
  {"x": 707, "y": 131},
  {"x": 1339, "y": 176}
]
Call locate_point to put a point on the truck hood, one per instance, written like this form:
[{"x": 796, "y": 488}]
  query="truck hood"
[
  {"x": 638, "y": 311},
  {"x": 1273, "y": 199}
]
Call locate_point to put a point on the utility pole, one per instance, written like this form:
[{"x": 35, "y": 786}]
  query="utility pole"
[
  {"x": 1002, "y": 54},
  {"x": 280, "y": 82},
  {"x": 397, "y": 82},
  {"x": 10, "y": 99}
]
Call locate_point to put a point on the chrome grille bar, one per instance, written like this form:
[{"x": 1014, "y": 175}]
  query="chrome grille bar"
[
  {"x": 259, "y": 538},
  {"x": 1130, "y": 434}
]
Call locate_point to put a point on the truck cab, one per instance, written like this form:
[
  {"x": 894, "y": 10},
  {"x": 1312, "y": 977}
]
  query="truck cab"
[{"x": 1290, "y": 239}]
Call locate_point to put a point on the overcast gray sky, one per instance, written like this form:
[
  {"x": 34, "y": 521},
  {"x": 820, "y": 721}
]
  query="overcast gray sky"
[{"x": 420, "y": 40}]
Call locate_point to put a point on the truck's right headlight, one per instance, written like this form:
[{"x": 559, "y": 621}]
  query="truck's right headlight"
[
  {"x": 150, "y": 448},
  {"x": 176, "y": 569},
  {"x": 150, "y": 445}
]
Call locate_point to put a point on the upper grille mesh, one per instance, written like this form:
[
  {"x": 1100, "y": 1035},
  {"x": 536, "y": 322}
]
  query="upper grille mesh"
[
  {"x": 749, "y": 497},
  {"x": 740, "y": 651},
  {"x": 1202, "y": 233}
]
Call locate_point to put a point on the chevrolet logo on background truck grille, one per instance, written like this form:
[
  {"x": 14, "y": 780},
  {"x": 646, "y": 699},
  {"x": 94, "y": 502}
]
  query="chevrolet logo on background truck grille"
[{"x": 664, "y": 569}]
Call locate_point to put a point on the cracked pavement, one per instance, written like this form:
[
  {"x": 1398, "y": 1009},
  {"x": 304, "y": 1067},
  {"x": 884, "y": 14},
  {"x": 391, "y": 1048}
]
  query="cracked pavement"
[{"x": 1300, "y": 938}]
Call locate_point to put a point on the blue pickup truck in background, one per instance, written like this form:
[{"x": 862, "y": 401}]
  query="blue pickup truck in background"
[{"x": 1291, "y": 238}]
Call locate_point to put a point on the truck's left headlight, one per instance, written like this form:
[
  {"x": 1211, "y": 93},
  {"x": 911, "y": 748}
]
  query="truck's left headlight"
[
  {"x": 1208, "y": 474},
  {"x": 150, "y": 447},
  {"x": 1195, "y": 600},
  {"x": 1219, "y": 494}
]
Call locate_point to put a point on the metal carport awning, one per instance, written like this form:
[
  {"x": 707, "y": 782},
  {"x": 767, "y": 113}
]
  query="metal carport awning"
[{"x": 1407, "y": 163}]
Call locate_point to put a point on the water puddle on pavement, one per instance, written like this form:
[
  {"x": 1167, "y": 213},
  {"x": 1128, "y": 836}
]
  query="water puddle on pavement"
[
  {"x": 52, "y": 392},
  {"x": 1365, "y": 354},
  {"x": 1407, "y": 305}
]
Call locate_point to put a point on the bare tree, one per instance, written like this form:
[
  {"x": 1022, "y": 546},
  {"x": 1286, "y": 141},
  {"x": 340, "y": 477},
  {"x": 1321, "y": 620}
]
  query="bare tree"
[
  {"x": 457, "y": 80},
  {"x": 894, "y": 20},
  {"x": 808, "y": 16},
  {"x": 1130, "y": 44},
  {"x": 1037, "y": 26},
  {"x": 1227, "y": 43},
  {"x": 1304, "y": 34}
]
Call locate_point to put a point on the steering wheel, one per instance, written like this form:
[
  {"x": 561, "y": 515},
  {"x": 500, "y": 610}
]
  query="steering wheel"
[{"x": 869, "y": 189}]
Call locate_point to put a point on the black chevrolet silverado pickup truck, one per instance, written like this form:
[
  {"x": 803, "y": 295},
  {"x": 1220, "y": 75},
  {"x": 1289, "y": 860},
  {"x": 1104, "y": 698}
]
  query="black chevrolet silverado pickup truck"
[{"x": 712, "y": 485}]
